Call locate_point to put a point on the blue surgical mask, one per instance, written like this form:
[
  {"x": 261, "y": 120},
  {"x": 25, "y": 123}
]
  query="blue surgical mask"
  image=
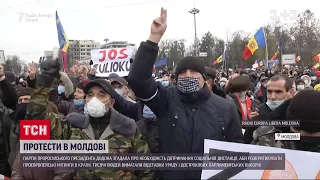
[
  {"x": 61, "y": 89},
  {"x": 147, "y": 113},
  {"x": 78, "y": 102},
  {"x": 165, "y": 83},
  {"x": 222, "y": 84},
  {"x": 85, "y": 110}
]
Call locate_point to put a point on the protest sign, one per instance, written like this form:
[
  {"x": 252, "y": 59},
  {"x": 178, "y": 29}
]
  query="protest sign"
[
  {"x": 114, "y": 60},
  {"x": 294, "y": 168},
  {"x": 2, "y": 58}
]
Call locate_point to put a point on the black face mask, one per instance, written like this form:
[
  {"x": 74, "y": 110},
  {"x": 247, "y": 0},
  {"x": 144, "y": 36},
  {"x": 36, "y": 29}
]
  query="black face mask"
[{"x": 21, "y": 111}]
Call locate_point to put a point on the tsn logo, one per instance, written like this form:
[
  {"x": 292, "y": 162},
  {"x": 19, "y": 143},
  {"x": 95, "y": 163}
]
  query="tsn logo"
[{"x": 35, "y": 130}]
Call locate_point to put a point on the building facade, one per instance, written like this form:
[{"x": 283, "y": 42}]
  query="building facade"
[
  {"x": 116, "y": 44},
  {"x": 79, "y": 50}
]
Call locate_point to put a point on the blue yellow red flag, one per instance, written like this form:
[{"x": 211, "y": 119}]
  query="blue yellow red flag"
[
  {"x": 63, "y": 41},
  {"x": 217, "y": 61},
  {"x": 257, "y": 41}
]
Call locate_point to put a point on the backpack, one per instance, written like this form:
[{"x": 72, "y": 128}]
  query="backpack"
[
  {"x": 265, "y": 136},
  {"x": 150, "y": 131}
]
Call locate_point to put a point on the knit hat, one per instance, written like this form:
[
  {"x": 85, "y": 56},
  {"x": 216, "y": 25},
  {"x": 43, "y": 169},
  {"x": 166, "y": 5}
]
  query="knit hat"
[
  {"x": 305, "y": 107},
  {"x": 316, "y": 87},
  {"x": 113, "y": 76},
  {"x": 10, "y": 76},
  {"x": 211, "y": 72},
  {"x": 25, "y": 92},
  {"x": 192, "y": 63}
]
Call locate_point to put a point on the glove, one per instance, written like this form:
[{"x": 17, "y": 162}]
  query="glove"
[{"x": 50, "y": 68}]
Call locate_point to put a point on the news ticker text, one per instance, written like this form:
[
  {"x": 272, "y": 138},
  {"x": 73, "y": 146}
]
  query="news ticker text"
[
  {"x": 256, "y": 161},
  {"x": 64, "y": 146},
  {"x": 275, "y": 123}
]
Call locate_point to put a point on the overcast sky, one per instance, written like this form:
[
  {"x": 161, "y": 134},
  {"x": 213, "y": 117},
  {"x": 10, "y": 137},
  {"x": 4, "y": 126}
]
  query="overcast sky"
[{"x": 130, "y": 20}]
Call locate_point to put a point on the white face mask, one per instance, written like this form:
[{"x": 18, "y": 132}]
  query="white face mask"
[
  {"x": 306, "y": 82},
  {"x": 300, "y": 87},
  {"x": 120, "y": 92},
  {"x": 313, "y": 78},
  {"x": 96, "y": 108},
  {"x": 274, "y": 104}
]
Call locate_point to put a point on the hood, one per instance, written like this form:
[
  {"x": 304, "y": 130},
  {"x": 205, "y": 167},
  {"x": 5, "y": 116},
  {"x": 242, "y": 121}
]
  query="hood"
[
  {"x": 306, "y": 77},
  {"x": 67, "y": 83}
]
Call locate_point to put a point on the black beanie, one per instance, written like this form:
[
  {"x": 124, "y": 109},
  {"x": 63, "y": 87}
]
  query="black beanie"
[
  {"x": 10, "y": 76},
  {"x": 25, "y": 92},
  {"x": 304, "y": 106},
  {"x": 192, "y": 63}
]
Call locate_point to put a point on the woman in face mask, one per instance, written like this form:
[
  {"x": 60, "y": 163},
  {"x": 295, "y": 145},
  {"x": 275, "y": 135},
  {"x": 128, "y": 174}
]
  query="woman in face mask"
[
  {"x": 165, "y": 81},
  {"x": 300, "y": 85},
  {"x": 307, "y": 81},
  {"x": 222, "y": 82}
]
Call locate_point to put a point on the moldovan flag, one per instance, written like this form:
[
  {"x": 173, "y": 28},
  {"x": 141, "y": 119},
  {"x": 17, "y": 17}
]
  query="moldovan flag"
[
  {"x": 220, "y": 58},
  {"x": 261, "y": 63},
  {"x": 217, "y": 61},
  {"x": 316, "y": 66},
  {"x": 317, "y": 57},
  {"x": 257, "y": 41},
  {"x": 63, "y": 41},
  {"x": 298, "y": 59}
]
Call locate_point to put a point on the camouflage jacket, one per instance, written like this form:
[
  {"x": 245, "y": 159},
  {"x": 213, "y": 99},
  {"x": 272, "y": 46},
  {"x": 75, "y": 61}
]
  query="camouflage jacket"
[
  {"x": 37, "y": 110},
  {"x": 265, "y": 136},
  {"x": 124, "y": 137}
]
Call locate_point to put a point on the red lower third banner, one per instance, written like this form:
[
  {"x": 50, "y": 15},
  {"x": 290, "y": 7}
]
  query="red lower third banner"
[{"x": 35, "y": 130}]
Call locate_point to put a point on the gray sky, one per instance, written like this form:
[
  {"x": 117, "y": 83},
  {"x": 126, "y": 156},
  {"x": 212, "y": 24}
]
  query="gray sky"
[{"x": 130, "y": 20}]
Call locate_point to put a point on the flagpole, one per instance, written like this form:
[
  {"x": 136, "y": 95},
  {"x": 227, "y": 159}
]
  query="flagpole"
[
  {"x": 266, "y": 53},
  {"x": 225, "y": 46}
]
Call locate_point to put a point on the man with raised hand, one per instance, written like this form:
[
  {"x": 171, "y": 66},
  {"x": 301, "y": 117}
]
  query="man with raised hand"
[{"x": 187, "y": 113}]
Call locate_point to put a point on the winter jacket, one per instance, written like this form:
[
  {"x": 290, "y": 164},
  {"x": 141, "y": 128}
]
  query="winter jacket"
[
  {"x": 263, "y": 111},
  {"x": 184, "y": 121},
  {"x": 130, "y": 109},
  {"x": 64, "y": 107},
  {"x": 5, "y": 139},
  {"x": 123, "y": 136}
]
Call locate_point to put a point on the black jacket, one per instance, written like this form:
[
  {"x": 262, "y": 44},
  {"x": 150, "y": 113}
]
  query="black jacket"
[
  {"x": 263, "y": 111},
  {"x": 218, "y": 91},
  {"x": 184, "y": 121}
]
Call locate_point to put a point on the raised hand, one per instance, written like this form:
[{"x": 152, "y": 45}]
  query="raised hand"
[
  {"x": 2, "y": 76},
  {"x": 50, "y": 68},
  {"x": 158, "y": 27},
  {"x": 1, "y": 70},
  {"x": 32, "y": 70}
]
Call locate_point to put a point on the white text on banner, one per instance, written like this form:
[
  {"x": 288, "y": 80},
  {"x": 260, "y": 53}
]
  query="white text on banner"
[
  {"x": 64, "y": 146},
  {"x": 114, "y": 60}
]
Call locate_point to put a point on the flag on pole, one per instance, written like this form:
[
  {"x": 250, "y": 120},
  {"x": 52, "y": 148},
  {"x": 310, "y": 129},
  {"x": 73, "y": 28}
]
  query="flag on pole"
[
  {"x": 316, "y": 65},
  {"x": 257, "y": 41},
  {"x": 220, "y": 58},
  {"x": 298, "y": 59},
  {"x": 63, "y": 41},
  {"x": 278, "y": 50},
  {"x": 261, "y": 63}
]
